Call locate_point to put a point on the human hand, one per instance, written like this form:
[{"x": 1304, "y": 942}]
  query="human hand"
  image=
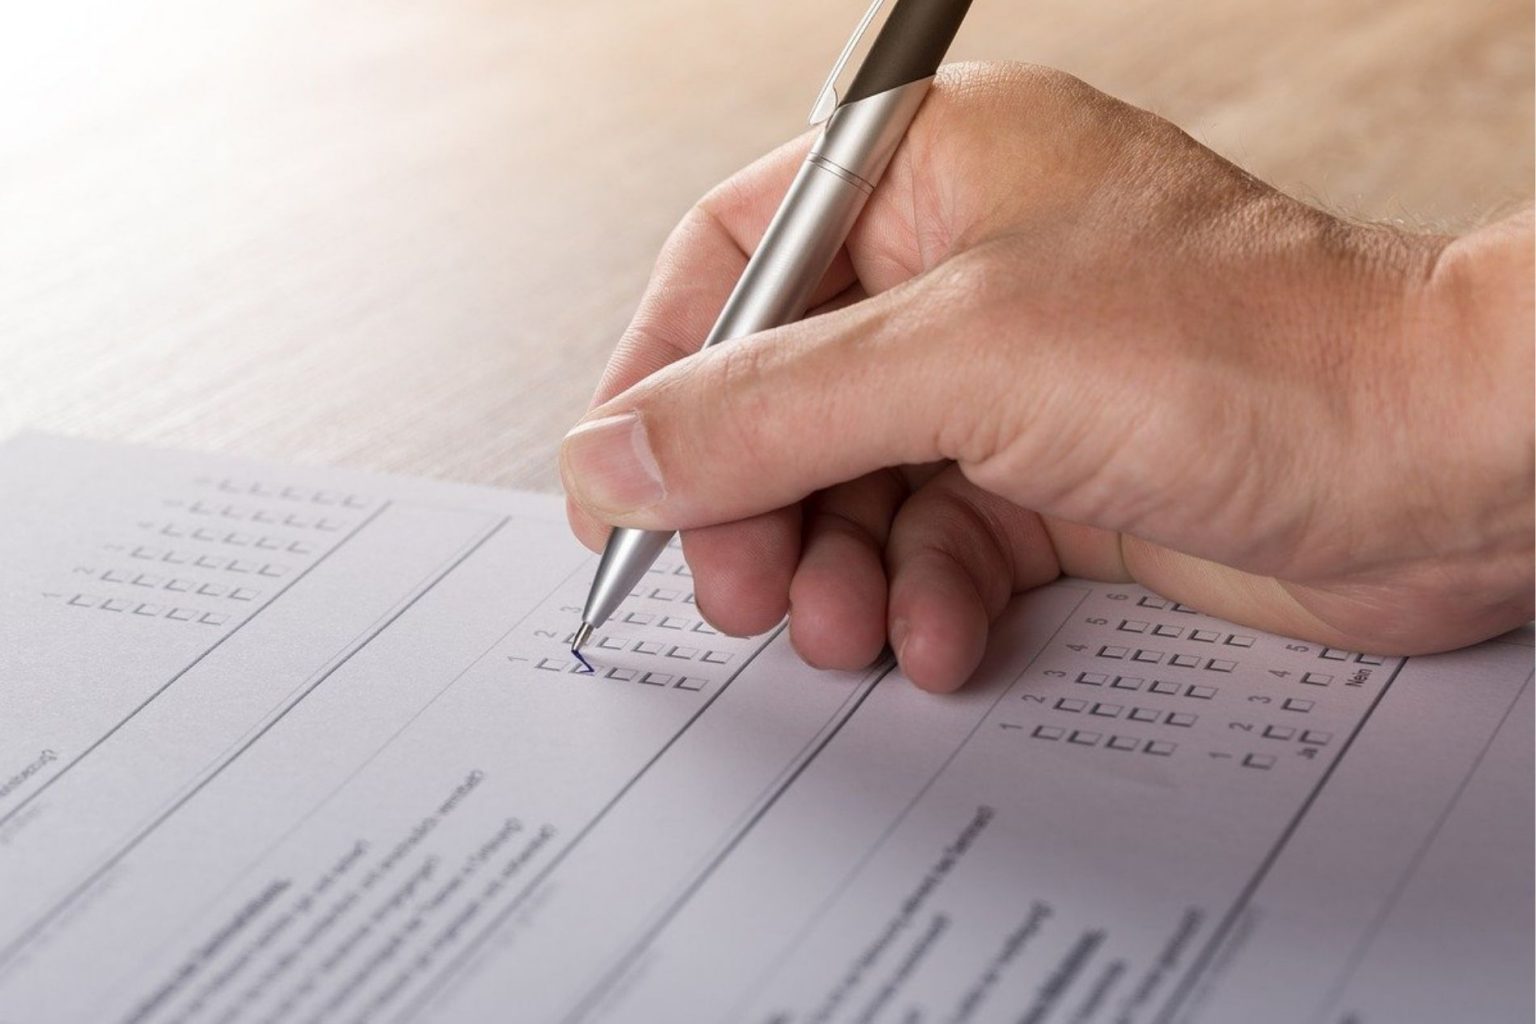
[{"x": 1090, "y": 346}]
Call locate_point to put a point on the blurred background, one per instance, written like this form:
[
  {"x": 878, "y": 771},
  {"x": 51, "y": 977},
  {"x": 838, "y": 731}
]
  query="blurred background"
[{"x": 404, "y": 236}]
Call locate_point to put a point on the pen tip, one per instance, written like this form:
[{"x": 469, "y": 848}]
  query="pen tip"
[{"x": 583, "y": 634}]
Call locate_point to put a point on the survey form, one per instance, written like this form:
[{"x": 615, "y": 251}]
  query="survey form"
[{"x": 285, "y": 744}]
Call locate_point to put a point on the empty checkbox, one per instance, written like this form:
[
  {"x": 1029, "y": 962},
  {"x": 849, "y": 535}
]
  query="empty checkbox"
[
  {"x": 1239, "y": 640},
  {"x": 1107, "y": 710},
  {"x": 181, "y": 614},
  {"x": 646, "y": 647},
  {"x": 688, "y": 653},
  {"x": 1068, "y": 704},
  {"x": 1184, "y": 661},
  {"x": 1113, "y": 652},
  {"x": 1201, "y": 692},
  {"x": 672, "y": 622},
  {"x": 1204, "y": 636},
  {"x": 639, "y": 618},
  {"x": 666, "y": 594},
  {"x": 1279, "y": 732},
  {"x": 1370, "y": 659},
  {"x": 689, "y": 683},
  {"x": 1048, "y": 732},
  {"x": 213, "y": 589},
  {"x": 1085, "y": 737},
  {"x": 1133, "y": 626},
  {"x": 623, "y": 675},
  {"x": 1152, "y": 602},
  {"x": 717, "y": 657},
  {"x": 611, "y": 643},
  {"x": 656, "y": 679},
  {"x": 1297, "y": 704},
  {"x": 1220, "y": 665},
  {"x": 1333, "y": 655},
  {"x": 1263, "y": 762},
  {"x": 1128, "y": 682},
  {"x": 1181, "y": 718},
  {"x": 553, "y": 664},
  {"x": 1164, "y": 686},
  {"x": 1092, "y": 679},
  {"x": 1122, "y": 743},
  {"x": 1163, "y": 629},
  {"x": 116, "y": 605},
  {"x": 214, "y": 618},
  {"x": 1316, "y": 737},
  {"x": 1316, "y": 679},
  {"x": 704, "y": 628},
  {"x": 1160, "y": 748},
  {"x": 1144, "y": 714}
]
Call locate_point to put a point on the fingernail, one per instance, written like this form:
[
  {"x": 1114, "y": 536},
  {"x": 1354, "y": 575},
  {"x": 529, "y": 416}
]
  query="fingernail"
[
  {"x": 899, "y": 633},
  {"x": 609, "y": 465}
]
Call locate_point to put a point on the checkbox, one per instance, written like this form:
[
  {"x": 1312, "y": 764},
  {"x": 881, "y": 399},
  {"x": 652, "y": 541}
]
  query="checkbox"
[
  {"x": 672, "y": 622},
  {"x": 1181, "y": 718},
  {"x": 683, "y": 571},
  {"x": 1370, "y": 659},
  {"x": 1201, "y": 692},
  {"x": 1316, "y": 679},
  {"x": 1184, "y": 661},
  {"x": 639, "y": 618},
  {"x": 623, "y": 675},
  {"x": 213, "y": 589},
  {"x": 553, "y": 664},
  {"x": 1113, "y": 652},
  {"x": 646, "y": 647},
  {"x": 1153, "y": 602},
  {"x": 704, "y": 627},
  {"x": 181, "y": 614},
  {"x": 717, "y": 657},
  {"x": 1122, "y": 743},
  {"x": 1128, "y": 682},
  {"x": 1163, "y": 629},
  {"x": 1204, "y": 636},
  {"x": 1160, "y": 748},
  {"x": 1239, "y": 640},
  {"x": 273, "y": 570},
  {"x": 1092, "y": 679},
  {"x": 1263, "y": 762},
  {"x": 214, "y": 618},
  {"x": 1048, "y": 732},
  {"x": 610, "y": 643},
  {"x": 1297, "y": 704},
  {"x": 115, "y": 605},
  {"x": 1316, "y": 737},
  {"x": 241, "y": 540},
  {"x": 1164, "y": 686},
  {"x": 116, "y": 576},
  {"x": 690, "y": 683},
  {"x": 269, "y": 543},
  {"x": 243, "y": 594},
  {"x": 665, "y": 594},
  {"x": 1107, "y": 710},
  {"x": 1183, "y": 609},
  {"x": 1148, "y": 657},
  {"x": 1279, "y": 732},
  {"x": 1085, "y": 737},
  {"x": 1220, "y": 665},
  {"x": 82, "y": 601},
  {"x": 144, "y": 579},
  {"x": 1333, "y": 655},
  {"x": 1144, "y": 714},
  {"x": 1133, "y": 626},
  {"x": 180, "y": 586},
  {"x": 688, "y": 653},
  {"x": 1068, "y": 704},
  {"x": 175, "y": 558},
  {"x": 300, "y": 547},
  {"x": 656, "y": 679},
  {"x": 147, "y": 609},
  {"x": 147, "y": 553},
  {"x": 240, "y": 565}
]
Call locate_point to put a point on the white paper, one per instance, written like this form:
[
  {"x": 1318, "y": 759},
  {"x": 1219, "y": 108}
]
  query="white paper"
[{"x": 283, "y": 744}]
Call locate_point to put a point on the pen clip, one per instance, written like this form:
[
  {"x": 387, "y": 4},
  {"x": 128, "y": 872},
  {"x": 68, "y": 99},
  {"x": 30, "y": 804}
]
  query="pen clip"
[{"x": 826, "y": 99}]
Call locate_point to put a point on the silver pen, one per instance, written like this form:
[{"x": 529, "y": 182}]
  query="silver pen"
[{"x": 860, "y": 133}]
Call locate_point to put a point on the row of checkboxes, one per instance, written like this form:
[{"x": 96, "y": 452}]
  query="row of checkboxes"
[
  {"x": 1332, "y": 654},
  {"x": 148, "y": 609},
  {"x": 626, "y": 675},
  {"x": 263, "y": 542},
  {"x": 1162, "y": 604},
  {"x": 288, "y": 493},
  {"x": 241, "y": 565},
  {"x": 654, "y": 649},
  {"x": 1092, "y": 738},
  {"x": 661, "y": 569},
  {"x": 265, "y": 516},
  {"x": 677, "y": 622},
  {"x": 180, "y": 586},
  {"x": 1147, "y": 656},
  {"x": 1204, "y": 636},
  {"x": 1105, "y": 709},
  {"x": 1166, "y": 687},
  {"x": 1311, "y": 737}
]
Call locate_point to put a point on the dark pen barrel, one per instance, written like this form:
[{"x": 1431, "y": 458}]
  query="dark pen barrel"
[{"x": 910, "y": 46}]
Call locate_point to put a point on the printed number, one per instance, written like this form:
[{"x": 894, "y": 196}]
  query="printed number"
[
  {"x": 1079, "y": 648},
  {"x": 1241, "y": 726},
  {"x": 1259, "y": 698},
  {"x": 1307, "y": 752},
  {"x": 1119, "y": 597},
  {"x": 1055, "y": 674},
  {"x": 1280, "y": 672},
  {"x": 547, "y": 633},
  {"x": 1098, "y": 622},
  {"x": 1303, "y": 648}
]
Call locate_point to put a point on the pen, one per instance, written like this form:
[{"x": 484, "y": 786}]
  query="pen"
[{"x": 860, "y": 132}]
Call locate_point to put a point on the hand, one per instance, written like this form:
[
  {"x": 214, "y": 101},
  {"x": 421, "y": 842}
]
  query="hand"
[{"x": 1090, "y": 346}]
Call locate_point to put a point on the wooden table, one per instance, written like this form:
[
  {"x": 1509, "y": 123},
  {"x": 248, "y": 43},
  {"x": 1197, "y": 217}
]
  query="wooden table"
[{"x": 404, "y": 236}]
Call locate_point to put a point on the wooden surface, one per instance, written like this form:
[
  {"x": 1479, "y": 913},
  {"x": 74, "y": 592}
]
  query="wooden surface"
[{"x": 405, "y": 236}]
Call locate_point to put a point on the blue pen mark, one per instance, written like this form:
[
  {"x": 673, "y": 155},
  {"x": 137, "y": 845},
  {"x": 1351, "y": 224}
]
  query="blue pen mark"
[{"x": 584, "y": 662}]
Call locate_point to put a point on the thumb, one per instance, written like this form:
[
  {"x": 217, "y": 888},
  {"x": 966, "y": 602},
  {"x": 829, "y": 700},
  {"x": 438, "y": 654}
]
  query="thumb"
[{"x": 760, "y": 423}]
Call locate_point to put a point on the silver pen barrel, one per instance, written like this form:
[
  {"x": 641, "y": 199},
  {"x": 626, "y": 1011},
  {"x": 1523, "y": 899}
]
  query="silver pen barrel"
[{"x": 806, "y": 233}]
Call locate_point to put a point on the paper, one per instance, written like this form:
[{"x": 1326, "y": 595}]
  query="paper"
[{"x": 303, "y": 745}]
